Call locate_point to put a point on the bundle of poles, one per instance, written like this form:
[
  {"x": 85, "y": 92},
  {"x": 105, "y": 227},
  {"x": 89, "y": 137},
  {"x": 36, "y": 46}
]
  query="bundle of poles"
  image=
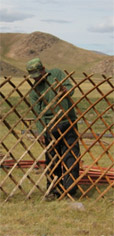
[{"x": 92, "y": 175}]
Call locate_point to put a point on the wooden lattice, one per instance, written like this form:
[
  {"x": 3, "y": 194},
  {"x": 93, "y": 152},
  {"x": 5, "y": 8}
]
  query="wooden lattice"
[{"x": 22, "y": 153}]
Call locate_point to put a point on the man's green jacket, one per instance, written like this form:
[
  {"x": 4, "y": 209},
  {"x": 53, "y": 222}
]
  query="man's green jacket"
[{"x": 49, "y": 96}]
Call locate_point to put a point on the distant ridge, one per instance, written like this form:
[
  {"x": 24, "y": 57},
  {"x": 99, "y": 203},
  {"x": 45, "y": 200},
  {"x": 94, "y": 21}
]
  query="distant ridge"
[
  {"x": 17, "y": 48},
  {"x": 100, "y": 53}
]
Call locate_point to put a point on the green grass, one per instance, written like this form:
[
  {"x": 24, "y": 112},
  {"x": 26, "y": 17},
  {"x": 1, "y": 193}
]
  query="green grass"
[{"x": 36, "y": 218}]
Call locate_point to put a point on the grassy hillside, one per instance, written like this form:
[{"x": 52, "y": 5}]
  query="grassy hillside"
[{"x": 17, "y": 48}]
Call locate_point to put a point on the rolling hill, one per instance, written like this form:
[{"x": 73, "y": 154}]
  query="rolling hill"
[{"x": 17, "y": 48}]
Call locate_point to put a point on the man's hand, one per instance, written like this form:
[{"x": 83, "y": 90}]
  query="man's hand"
[
  {"x": 42, "y": 140},
  {"x": 63, "y": 89}
]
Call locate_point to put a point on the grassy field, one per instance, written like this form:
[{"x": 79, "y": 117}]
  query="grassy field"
[{"x": 35, "y": 217}]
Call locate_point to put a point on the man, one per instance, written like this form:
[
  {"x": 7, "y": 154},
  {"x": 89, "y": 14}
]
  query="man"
[{"x": 50, "y": 84}]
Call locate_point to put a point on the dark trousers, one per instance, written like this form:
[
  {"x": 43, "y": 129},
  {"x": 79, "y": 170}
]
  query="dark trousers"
[{"x": 68, "y": 159}]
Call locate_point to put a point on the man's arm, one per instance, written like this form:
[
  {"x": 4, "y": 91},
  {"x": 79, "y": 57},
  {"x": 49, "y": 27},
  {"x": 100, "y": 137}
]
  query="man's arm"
[
  {"x": 66, "y": 85},
  {"x": 37, "y": 109}
]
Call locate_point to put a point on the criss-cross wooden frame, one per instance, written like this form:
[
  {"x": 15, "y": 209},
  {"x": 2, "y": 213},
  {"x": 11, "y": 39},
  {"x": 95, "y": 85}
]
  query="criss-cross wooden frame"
[{"x": 92, "y": 175}]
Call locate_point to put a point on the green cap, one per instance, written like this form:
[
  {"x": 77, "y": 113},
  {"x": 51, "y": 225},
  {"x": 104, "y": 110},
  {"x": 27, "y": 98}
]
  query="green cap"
[{"x": 34, "y": 67}]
